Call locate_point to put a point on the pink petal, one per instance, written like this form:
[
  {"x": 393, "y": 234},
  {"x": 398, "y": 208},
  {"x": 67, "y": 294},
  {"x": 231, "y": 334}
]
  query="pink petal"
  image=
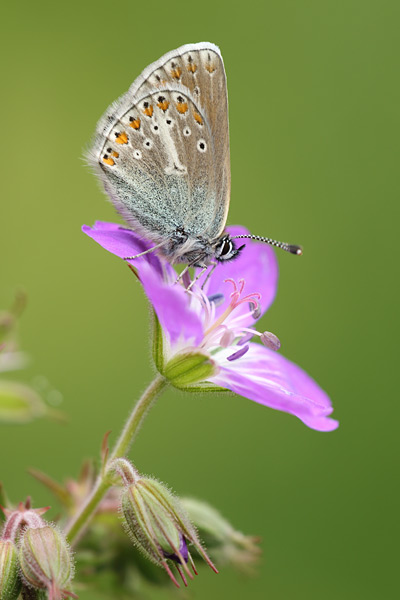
[{"x": 272, "y": 380}]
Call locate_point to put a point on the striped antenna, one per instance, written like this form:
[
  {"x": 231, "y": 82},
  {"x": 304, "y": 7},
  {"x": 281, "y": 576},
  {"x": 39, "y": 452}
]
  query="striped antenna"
[{"x": 292, "y": 248}]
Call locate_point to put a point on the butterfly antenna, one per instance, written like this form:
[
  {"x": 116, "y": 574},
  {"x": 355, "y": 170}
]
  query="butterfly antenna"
[{"x": 292, "y": 248}]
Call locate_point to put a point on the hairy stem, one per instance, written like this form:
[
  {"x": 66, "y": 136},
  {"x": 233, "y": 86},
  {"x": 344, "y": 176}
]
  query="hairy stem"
[{"x": 77, "y": 525}]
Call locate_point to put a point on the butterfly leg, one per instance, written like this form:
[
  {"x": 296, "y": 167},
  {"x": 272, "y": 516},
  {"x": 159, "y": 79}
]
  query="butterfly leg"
[
  {"x": 185, "y": 277},
  {"x": 182, "y": 275},
  {"x": 210, "y": 272},
  {"x": 143, "y": 253},
  {"x": 195, "y": 263},
  {"x": 203, "y": 270}
]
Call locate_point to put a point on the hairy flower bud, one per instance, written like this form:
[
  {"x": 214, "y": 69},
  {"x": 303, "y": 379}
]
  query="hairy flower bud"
[
  {"x": 159, "y": 526},
  {"x": 10, "y": 583},
  {"x": 46, "y": 561}
]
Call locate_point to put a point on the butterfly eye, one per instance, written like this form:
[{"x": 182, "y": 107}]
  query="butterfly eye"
[{"x": 226, "y": 250}]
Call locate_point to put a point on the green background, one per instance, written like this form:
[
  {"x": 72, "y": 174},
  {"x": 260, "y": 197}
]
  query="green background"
[{"x": 314, "y": 115}]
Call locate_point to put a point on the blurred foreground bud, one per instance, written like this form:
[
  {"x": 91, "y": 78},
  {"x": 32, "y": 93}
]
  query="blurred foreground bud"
[
  {"x": 46, "y": 561},
  {"x": 10, "y": 583},
  {"x": 19, "y": 403},
  {"x": 228, "y": 546},
  {"x": 157, "y": 523}
]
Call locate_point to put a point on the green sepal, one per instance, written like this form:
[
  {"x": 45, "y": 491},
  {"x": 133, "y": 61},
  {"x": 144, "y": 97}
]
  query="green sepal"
[
  {"x": 157, "y": 343},
  {"x": 10, "y": 582},
  {"x": 207, "y": 387},
  {"x": 188, "y": 368}
]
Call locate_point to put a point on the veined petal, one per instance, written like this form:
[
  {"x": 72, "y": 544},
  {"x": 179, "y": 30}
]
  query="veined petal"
[
  {"x": 256, "y": 264},
  {"x": 270, "y": 379},
  {"x": 171, "y": 302}
]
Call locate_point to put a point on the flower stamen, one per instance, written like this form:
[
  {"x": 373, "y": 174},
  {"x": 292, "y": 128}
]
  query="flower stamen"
[
  {"x": 238, "y": 353},
  {"x": 270, "y": 340},
  {"x": 236, "y": 300}
]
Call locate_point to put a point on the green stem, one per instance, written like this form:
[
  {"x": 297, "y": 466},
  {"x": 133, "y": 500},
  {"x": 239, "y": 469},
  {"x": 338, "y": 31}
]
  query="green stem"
[{"x": 80, "y": 521}]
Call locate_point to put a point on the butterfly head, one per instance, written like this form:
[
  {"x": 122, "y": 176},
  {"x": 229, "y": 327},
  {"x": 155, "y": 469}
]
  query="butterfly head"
[{"x": 225, "y": 249}]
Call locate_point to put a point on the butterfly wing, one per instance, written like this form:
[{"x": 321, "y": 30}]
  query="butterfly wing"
[{"x": 162, "y": 150}]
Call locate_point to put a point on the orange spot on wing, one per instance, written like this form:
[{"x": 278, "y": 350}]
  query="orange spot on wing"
[
  {"x": 163, "y": 105},
  {"x": 198, "y": 118},
  {"x": 182, "y": 107},
  {"x": 135, "y": 124},
  {"x": 210, "y": 68},
  {"x": 192, "y": 68},
  {"x": 115, "y": 154},
  {"x": 121, "y": 138},
  {"x": 176, "y": 73},
  {"x": 148, "y": 111},
  {"x": 109, "y": 161}
]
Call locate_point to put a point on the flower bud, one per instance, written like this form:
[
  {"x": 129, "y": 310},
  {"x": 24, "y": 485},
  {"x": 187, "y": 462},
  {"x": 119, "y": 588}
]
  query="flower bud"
[
  {"x": 159, "y": 526},
  {"x": 46, "y": 561},
  {"x": 10, "y": 583}
]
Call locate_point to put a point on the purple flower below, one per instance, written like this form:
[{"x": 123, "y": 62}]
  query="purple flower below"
[
  {"x": 183, "y": 549},
  {"x": 219, "y": 321}
]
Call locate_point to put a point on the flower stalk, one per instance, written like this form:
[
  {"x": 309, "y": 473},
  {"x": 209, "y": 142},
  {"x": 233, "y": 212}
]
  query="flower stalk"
[{"x": 80, "y": 521}]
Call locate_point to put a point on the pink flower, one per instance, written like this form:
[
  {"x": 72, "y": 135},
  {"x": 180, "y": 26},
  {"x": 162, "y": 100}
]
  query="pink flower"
[{"x": 218, "y": 323}]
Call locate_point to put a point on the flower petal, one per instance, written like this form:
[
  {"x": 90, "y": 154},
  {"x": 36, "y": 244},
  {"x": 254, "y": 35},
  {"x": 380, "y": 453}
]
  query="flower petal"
[
  {"x": 123, "y": 242},
  {"x": 256, "y": 264},
  {"x": 172, "y": 306},
  {"x": 171, "y": 302},
  {"x": 270, "y": 379}
]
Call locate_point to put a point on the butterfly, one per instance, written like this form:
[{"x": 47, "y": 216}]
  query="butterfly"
[{"x": 162, "y": 152}]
